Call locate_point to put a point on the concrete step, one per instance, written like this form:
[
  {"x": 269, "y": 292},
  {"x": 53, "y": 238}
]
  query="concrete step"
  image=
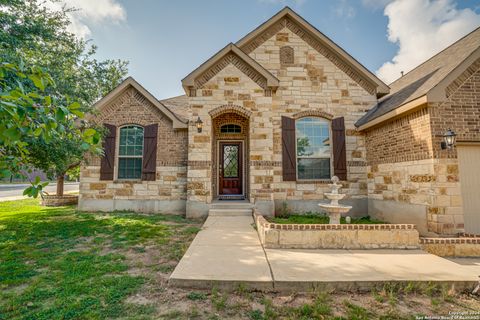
[
  {"x": 230, "y": 212},
  {"x": 232, "y": 205}
]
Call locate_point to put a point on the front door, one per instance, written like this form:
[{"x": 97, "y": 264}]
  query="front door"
[{"x": 230, "y": 168}]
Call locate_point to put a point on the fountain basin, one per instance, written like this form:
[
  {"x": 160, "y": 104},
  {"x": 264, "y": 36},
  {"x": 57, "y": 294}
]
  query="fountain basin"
[
  {"x": 334, "y": 196},
  {"x": 334, "y": 211}
]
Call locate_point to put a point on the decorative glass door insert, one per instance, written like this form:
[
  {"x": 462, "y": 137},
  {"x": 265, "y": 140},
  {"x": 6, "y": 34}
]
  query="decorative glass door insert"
[{"x": 230, "y": 168}]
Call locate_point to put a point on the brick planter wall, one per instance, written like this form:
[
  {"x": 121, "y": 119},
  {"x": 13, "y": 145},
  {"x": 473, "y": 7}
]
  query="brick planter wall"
[
  {"x": 58, "y": 201},
  {"x": 343, "y": 236},
  {"x": 452, "y": 247}
]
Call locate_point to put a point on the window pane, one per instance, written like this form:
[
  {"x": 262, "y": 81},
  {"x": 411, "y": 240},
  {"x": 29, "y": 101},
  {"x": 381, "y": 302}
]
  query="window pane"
[
  {"x": 129, "y": 168},
  {"x": 230, "y": 128},
  {"x": 313, "y": 148},
  {"x": 313, "y": 168},
  {"x": 312, "y": 138},
  {"x": 131, "y": 141}
]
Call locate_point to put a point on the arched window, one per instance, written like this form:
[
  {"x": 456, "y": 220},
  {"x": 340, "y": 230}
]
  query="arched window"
[
  {"x": 230, "y": 128},
  {"x": 313, "y": 148},
  {"x": 130, "y": 152}
]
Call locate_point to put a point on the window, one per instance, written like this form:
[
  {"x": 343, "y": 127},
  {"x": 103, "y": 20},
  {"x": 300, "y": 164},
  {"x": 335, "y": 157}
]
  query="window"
[
  {"x": 313, "y": 148},
  {"x": 230, "y": 128},
  {"x": 130, "y": 153}
]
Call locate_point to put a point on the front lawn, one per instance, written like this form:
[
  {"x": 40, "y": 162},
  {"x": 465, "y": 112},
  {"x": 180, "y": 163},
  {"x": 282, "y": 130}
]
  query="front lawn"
[
  {"x": 319, "y": 219},
  {"x": 57, "y": 263}
]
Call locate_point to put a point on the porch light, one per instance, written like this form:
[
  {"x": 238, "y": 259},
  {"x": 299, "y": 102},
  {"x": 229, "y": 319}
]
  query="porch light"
[
  {"x": 449, "y": 138},
  {"x": 199, "y": 124}
]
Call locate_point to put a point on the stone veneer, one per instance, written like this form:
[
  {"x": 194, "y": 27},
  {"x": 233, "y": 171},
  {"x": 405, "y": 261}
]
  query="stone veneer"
[
  {"x": 312, "y": 85},
  {"x": 396, "y": 171},
  {"x": 425, "y": 192},
  {"x": 167, "y": 194}
]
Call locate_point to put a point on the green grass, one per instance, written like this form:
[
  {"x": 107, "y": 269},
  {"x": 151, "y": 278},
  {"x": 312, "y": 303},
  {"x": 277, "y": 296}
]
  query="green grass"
[
  {"x": 319, "y": 219},
  {"x": 57, "y": 263}
]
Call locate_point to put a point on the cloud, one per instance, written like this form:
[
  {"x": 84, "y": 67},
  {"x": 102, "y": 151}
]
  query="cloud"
[
  {"x": 344, "y": 10},
  {"x": 421, "y": 28},
  {"x": 376, "y": 4},
  {"x": 89, "y": 12}
]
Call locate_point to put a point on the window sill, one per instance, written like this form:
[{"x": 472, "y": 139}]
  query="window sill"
[
  {"x": 128, "y": 181},
  {"x": 316, "y": 181}
]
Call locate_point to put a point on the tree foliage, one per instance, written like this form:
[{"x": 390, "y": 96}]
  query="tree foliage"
[
  {"x": 28, "y": 115},
  {"x": 49, "y": 80}
]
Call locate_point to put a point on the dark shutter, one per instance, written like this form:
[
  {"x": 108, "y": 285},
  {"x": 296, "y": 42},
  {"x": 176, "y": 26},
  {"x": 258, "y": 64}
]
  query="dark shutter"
[
  {"x": 108, "y": 159},
  {"x": 289, "y": 163},
  {"x": 339, "y": 150},
  {"x": 149, "y": 152}
]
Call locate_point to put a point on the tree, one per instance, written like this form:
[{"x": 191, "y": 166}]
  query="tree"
[
  {"x": 60, "y": 154},
  {"x": 26, "y": 113},
  {"x": 32, "y": 35}
]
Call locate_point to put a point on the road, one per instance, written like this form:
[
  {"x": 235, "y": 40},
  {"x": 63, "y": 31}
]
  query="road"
[{"x": 14, "y": 191}]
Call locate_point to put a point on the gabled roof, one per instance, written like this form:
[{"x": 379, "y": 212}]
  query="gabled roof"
[
  {"x": 209, "y": 68},
  {"x": 290, "y": 19},
  {"x": 429, "y": 79},
  {"x": 130, "y": 82}
]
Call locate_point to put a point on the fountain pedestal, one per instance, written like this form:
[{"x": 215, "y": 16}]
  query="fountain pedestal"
[{"x": 334, "y": 209}]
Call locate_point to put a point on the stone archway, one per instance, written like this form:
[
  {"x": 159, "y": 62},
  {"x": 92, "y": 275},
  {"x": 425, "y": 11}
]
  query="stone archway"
[{"x": 230, "y": 127}]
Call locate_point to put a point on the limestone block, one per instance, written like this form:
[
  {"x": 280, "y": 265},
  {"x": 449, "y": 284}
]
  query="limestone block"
[
  {"x": 98, "y": 186},
  {"x": 200, "y": 173}
]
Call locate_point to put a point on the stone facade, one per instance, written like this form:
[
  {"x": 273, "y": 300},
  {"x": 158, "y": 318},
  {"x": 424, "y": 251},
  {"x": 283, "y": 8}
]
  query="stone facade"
[
  {"x": 396, "y": 170},
  {"x": 312, "y": 85},
  {"x": 167, "y": 193}
]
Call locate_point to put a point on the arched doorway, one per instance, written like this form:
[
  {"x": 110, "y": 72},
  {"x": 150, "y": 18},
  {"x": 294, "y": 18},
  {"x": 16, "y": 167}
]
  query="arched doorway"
[{"x": 230, "y": 156}]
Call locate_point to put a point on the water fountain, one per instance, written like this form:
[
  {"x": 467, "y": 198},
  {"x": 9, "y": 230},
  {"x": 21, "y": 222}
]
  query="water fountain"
[{"x": 334, "y": 209}]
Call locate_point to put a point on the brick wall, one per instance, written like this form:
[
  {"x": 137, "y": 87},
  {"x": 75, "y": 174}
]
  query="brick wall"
[
  {"x": 404, "y": 139},
  {"x": 407, "y": 165},
  {"x": 170, "y": 184},
  {"x": 461, "y": 111},
  {"x": 132, "y": 108}
]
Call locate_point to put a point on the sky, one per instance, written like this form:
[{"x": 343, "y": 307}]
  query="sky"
[{"x": 165, "y": 40}]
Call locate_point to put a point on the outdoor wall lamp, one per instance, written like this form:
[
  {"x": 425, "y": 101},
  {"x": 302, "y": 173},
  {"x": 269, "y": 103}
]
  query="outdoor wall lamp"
[
  {"x": 199, "y": 124},
  {"x": 449, "y": 138}
]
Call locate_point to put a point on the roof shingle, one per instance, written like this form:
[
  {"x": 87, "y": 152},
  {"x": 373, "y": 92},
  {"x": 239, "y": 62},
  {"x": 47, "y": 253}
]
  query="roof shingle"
[{"x": 419, "y": 81}]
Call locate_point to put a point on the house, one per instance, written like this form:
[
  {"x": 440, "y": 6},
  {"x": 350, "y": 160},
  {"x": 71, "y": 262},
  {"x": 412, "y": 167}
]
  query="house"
[{"x": 271, "y": 118}]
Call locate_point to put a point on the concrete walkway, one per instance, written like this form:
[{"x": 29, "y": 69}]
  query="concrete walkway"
[{"x": 227, "y": 252}]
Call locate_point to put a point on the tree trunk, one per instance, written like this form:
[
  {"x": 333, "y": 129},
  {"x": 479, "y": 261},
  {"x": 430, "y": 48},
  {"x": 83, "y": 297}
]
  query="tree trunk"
[{"x": 60, "y": 182}]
